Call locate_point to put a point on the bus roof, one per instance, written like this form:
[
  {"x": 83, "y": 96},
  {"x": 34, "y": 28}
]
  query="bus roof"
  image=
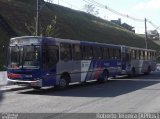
[
  {"x": 59, "y": 40},
  {"x": 136, "y": 48}
]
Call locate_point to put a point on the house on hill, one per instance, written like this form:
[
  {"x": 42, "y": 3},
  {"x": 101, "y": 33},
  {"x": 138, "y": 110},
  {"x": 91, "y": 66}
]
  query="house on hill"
[
  {"x": 128, "y": 27},
  {"x": 124, "y": 25},
  {"x": 118, "y": 22}
]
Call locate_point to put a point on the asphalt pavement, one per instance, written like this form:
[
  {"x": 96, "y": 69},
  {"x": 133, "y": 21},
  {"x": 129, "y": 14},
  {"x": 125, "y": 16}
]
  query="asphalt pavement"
[{"x": 139, "y": 94}]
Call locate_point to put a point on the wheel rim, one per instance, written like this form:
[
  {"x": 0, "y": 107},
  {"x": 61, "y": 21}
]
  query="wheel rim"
[
  {"x": 63, "y": 83},
  {"x": 105, "y": 76}
]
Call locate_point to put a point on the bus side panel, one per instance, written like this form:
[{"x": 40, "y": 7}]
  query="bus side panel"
[
  {"x": 73, "y": 68},
  {"x": 114, "y": 67},
  {"x": 49, "y": 80},
  {"x": 137, "y": 64},
  {"x": 145, "y": 66},
  {"x": 49, "y": 77},
  {"x": 97, "y": 66},
  {"x": 153, "y": 65},
  {"x": 92, "y": 70},
  {"x": 86, "y": 70},
  {"x": 141, "y": 66}
]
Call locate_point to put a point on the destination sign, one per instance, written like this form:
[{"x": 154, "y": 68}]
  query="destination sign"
[{"x": 25, "y": 41}]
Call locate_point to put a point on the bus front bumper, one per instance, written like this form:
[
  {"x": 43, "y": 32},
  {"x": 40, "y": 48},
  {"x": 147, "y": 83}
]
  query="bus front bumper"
[{"x": 29, "y": 83}]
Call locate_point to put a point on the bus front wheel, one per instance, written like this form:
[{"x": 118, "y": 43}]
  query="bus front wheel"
[{"x": 63, "y": 82}]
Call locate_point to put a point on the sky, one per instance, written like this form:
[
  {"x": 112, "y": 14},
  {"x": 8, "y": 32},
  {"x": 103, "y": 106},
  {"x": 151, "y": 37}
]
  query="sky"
[{"x": 141, "y": 9}]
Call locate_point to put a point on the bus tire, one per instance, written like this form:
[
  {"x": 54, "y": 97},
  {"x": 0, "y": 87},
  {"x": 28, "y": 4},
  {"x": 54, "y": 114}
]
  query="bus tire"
[
  {"x": 63, "y": 82},
  {"x": 103, "y": 77}
]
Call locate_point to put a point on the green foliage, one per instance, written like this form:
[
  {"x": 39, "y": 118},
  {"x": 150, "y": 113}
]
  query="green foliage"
[
  {"x": 31, "y": 28},
  {"x": 51, "y": 29}
]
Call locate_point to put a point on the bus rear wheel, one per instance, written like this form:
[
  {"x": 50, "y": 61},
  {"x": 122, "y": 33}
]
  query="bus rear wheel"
[
  {"x": 103, "y": 77},
  {"x": 148, "y": 71}
]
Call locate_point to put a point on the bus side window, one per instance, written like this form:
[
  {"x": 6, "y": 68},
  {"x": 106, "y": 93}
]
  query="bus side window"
[
  {"x": 137, "y": 54},
  {"x": 114, "y": 53},
  {"x": 102, "y": 50},
  {"x": 89, "y": 52},
  {"x": 104, "y": 53},
  {"x": 107, "y": 53},
  {"x": 97, "y": 52},
  {"x": 66, "y": 52},
  {"x": 76, "y": 52},
  {"x": 132, "y": 54},
  {"x": 83, "y": 53},
  {"x": 111, "y": 55},
  {"x": 145, "y": 55},
  {"x": 117, "y": 53},
  {"x": 152, "y": 55},
  {"x": 50, "y": 56}
]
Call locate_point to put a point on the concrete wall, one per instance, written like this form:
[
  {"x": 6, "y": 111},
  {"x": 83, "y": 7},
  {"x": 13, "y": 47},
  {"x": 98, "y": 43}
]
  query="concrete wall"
[{"x": 3, "y": 78}]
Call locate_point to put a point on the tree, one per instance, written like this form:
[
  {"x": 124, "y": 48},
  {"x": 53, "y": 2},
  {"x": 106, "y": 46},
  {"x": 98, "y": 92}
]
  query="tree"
[
  {"x": 50, "y": 30},
  {"x": 91, "y": 9},
  {"x": 31, "y": 28}
]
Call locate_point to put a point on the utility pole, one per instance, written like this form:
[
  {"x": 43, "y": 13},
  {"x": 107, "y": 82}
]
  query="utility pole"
[
  {"x": 158, "y": 33},
  {"x": 146, "y": 38},
  {"x": 37, "y": 19}
]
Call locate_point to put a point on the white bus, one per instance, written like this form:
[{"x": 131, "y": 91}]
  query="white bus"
[{"x": 138, "y": 60}]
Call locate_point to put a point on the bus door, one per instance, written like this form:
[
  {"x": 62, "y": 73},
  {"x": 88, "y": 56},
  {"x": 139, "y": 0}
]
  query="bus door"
[
  {"x": 126, "y": 59},
  {"x": 50, "y": 58}
]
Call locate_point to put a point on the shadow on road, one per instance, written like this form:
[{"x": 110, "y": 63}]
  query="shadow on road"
[{"x": 112, "y": 88}]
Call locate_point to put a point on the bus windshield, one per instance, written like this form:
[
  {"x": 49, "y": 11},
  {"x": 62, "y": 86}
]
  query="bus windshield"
[{"x": 24, "y": 57}]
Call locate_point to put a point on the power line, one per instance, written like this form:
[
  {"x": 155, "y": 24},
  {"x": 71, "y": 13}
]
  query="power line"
[
  {"x": 93, "y": 2},
  {"x": 152, "y": 24}
]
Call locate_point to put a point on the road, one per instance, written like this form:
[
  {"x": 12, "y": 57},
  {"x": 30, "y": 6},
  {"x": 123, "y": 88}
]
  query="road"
[{"x": 124, "y": 95}]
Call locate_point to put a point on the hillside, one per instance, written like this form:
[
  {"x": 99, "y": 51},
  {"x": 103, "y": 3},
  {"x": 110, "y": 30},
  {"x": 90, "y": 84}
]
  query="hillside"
[{"x": 71, "y": 24}]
